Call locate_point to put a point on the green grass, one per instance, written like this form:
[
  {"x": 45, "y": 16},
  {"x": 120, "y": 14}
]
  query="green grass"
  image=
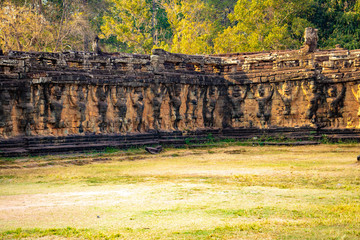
[
  {"x": 227, "y": 192},
  {"x": 61, "y": 232}
]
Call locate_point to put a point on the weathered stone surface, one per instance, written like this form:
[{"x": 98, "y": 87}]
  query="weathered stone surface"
[
  {"x": 311, "y": 39},
  {"x": 79, "y": 93}
]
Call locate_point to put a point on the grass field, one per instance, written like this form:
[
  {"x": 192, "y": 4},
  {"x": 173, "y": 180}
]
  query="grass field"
[{"x": 229, "y": 192}]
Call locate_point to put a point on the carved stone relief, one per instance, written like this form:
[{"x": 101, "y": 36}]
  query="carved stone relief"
[
  {"x": 77, "y": 100},
  {"x": 119, "y": 101},
  {"x": 313, "y": 95},
  {"x": 357, "y": 97},
  {"x": 55, "y": 102},
  {"x": 175, "y": 104},
  {"x": 6, "y": 125},
  {"x": 191, "y": 106},
  {"x": 137, "y": 100},
  {"x": 264, "y": 104},
  {"x": 158, "y": 92},
  {"x": 83, "y": 93},
  {"x": 27, "y": 120},
  {"x": 210, "y": 100},
  {"x": 78, "y": 108},
  {"x": 335, "y": 103},
  {"x": 236, "y": 97}
]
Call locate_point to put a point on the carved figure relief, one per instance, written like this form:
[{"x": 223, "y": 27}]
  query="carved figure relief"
[
  {"x": 191, "y": 106},
  {"x": 27, "y": 119},
  {"x": 311, "y": 39},
  {"x": 103, "y": 108},
  {"x": 91, "y": 124},
  {"x": 236, "y": 98},
  {"x": 313, "y": 97},
  {"x": 76, "y": 92},
  {"x": 137, "y": 100},
  {"x": 350, "y": 122},
  {"x": 287, "y": 97},
  {"x": 175, "y": 104},
  {"x": 357, "y": 97},
  {"x": 158, "y": 91},
  {"x": 39, "y": 108},
  {"x": 335, "y": 103},
  {"x": 119, "y": 101},
  {"x": 264, "y": 104},
  {"x": 5, "y": 113},
  {"x": 77, "y": 100},
  {"x": 55, "y": 102},
  {"x": 210, "y": 100}
]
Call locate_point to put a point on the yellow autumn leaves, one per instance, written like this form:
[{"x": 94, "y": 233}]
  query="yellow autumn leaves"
[
  {"x": 22, "y": 28},
  {"x": 256, "y": 26},
  {"x": 179, "y": 26},
  {"x": 190, "y": 25},
  {"x": 132, "y": 22},
  {"x": 259, "y": 26}
]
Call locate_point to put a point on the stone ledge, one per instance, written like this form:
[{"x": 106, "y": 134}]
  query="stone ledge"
[{"x": 30, "y": 146}]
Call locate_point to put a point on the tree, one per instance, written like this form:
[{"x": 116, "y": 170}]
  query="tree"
[
  {"x": 54, "y": 26},
  {"x": 23, "y": 29},
  {"x": 257, "y": 25},
  {"x": 73, "y": 26},
  {"x": 338, "y": 23},
  {"x": 190, "y": 25},
  {"x": 130, "y": 22}
]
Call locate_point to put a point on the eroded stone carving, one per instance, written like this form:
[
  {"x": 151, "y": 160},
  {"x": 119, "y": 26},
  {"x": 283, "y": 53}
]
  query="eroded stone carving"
[
  {"x": 40, "y": 105},
  {"x": 236, "y": 98},
  {"x": 287, "y": 96},
  {"x": 311, "y": 39},
  {"x": 264, "y": 104},
  {"x": 357, "y": 97},
  {"x": 158, "y": 92},
  {"x": 77, "y": 100},
  {"x": 101, "y": 98},
  {"x": 55, "y": 102},
  {"x": 6, "y": 125},
  {"x": 175, "y": 104},
  {"x": 191, "y": 106},
  {"x": 119, "y": 101},
  {"x": 137, "y": 97},
  {"x": 313, "y": 95},
  {"x": 77, "y": 92},
  {"x": 210, "y": 100},
  {"x": 335, "y": 104},
  {"x": 27, "y": 120},
  {"x": 95, "y": 45}
]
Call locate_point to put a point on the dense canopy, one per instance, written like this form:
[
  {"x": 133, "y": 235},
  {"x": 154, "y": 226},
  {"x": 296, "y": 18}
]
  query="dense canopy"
[{"x": 181, "y": 26}]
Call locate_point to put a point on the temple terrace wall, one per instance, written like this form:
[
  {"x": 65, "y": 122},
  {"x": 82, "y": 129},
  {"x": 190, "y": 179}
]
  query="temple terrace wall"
[{"x": 79, "y": 93}]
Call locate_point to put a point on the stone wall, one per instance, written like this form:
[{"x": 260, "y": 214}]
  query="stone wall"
[{"x": 75, "y": 93}]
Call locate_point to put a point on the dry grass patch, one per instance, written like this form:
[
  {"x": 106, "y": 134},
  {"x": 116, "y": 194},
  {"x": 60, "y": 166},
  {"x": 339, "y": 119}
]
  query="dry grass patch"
[{"x": 305, "y": 192}]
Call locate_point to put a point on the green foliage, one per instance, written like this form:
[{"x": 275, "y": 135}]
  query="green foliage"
[
  {"x": 129, "y": 22},
  {"x": 257, "y": 26},
  {"x": 111, "y": 150},
  {"x": 188, "y": 141},
  {"x": 325, "y": 139},
  {"x": 190, "y": 25},
  {"x": 210, "y": 138},
  {"x": 338, "y": 23},
  {"x": 182, "y": 26}
]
